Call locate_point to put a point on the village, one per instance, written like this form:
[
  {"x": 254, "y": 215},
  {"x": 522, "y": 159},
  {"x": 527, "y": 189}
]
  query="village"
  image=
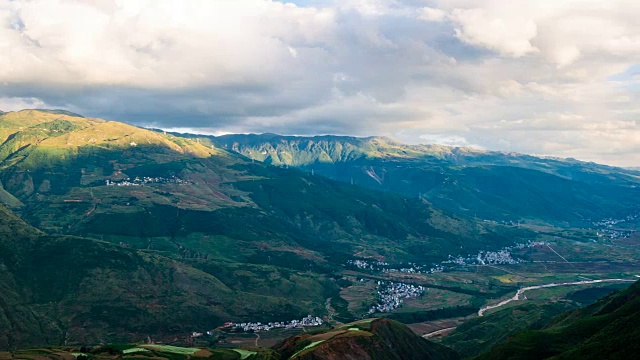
[
  {"x": 364, "y": 265},
  {"x": 500, "y": 257},
  {"x": 309, "y": 321},
  {"x": 415, "y": 269},
  {"x": 606, "y": 228},
  {"x": 137, "y": 181},
  {"x": 379, "y": 266},
  {"x": 609, "y": 222},
  {"x": 391, "y": 295}
]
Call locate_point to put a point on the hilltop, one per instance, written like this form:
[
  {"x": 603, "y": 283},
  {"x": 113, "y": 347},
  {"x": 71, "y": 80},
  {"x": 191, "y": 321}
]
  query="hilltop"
[{"x": 366, "y": 339}]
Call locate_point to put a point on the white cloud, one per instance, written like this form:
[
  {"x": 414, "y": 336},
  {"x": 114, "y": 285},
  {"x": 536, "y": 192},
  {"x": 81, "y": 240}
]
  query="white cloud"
[
  {"x": 156, "y": 43},
  {"x": 509, "y": 35},
  {"x": 17, "y": 103},
  {"x": 530, "y": 76},
  {"x": 448, "y": 140},
  {"x": 559, "y": 31},
  {"x": 431, "y": 14}
]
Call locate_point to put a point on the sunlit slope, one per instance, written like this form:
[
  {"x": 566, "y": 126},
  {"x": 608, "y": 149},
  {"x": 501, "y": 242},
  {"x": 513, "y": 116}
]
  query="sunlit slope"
[
  {"x": 303, "y": 151},
  {"x": 484, "y": 184},
  {"x": 82, "y": 171},
  {"x": 54, "y": 154},
  {"x": 273, "y": 237},
  {"x": 35, "y": 139}
]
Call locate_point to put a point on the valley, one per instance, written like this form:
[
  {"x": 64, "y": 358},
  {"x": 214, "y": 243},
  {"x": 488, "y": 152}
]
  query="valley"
[
  {"x": 113, "y": 233},
  {"x": 520, "y": 293},
  {"x": 319, "y": 180}
]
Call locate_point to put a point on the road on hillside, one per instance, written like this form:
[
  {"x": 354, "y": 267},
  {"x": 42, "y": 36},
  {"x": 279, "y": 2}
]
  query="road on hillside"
[
  {"x": 438, "y": 332},
  {"x": 520, "y": 292}
]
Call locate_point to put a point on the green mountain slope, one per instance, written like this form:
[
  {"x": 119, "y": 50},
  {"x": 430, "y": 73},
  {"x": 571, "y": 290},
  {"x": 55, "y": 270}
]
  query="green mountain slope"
[
  {"x": 302, "y": 151},
  {"x": 183, "y": 222},
  {"x": 479, "y": 335},
  {"x": 59, "y": 290},
  {"x": 489, "y": 185},
  {"x": 133, "y": 351},
  {"x": 202, "y": 200},
  {"x": 608, "y": 329},
  {"x": 367, "y": 339}
]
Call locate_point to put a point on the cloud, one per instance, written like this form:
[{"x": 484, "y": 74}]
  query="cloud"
[
  {"x": 561, "y": 32},
  {"x": 507, "y": 34},
  {"x": 19, "y": 103},
  {"x": 540, "y": 77},
  {"x": 448, "y": 140},
  {"x": 431, "y": 14},
  {"x": 156, "y": 44}
]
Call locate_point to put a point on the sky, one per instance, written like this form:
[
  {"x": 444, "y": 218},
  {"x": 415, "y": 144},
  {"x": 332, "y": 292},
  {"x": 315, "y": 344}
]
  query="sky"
[{"x": 558, "y": 78}]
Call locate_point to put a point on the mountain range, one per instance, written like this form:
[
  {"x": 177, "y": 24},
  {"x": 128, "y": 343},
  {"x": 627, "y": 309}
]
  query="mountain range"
[
  {"x": 265, "y": 240},
  {"x": 111, "y": 233},
  {"x": 485, "y": 184}
]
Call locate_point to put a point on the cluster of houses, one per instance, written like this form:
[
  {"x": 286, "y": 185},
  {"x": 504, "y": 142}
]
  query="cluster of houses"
[
  {"x": 610, "y": 222},
  {"x": 500, "y": 257},
  {"x": 146, "y": 180},
  {"x": 391, "y": 295},
  {"x": 505, "y": 222},
  {"x": 258, "y": 326},
  {"x": 379, "y": 266},
  {"x": 365, "y": 265},
  {"x": 415, "y": 269},
  {"x": 606, "y": 228},
  {"x": 611, "y": 234}
]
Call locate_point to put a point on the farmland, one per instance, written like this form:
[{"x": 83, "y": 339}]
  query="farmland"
[
  {"x": 461, "y": 290},
  {"x": 180, "y": 235}
]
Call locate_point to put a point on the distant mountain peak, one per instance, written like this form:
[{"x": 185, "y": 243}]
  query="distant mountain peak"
[
  {"x": 39, "y": 115},
  {"x": 384, "y": 139},
  {"x": 56, "y": 111}
]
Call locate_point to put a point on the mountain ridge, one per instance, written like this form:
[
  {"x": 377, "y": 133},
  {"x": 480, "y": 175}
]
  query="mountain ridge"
[
  {"x": 140, "y": 231},
  {"x": 230, "y": 138},
  {"x": 466, "y": 181},
  {"x": 264, "y": 237}
]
